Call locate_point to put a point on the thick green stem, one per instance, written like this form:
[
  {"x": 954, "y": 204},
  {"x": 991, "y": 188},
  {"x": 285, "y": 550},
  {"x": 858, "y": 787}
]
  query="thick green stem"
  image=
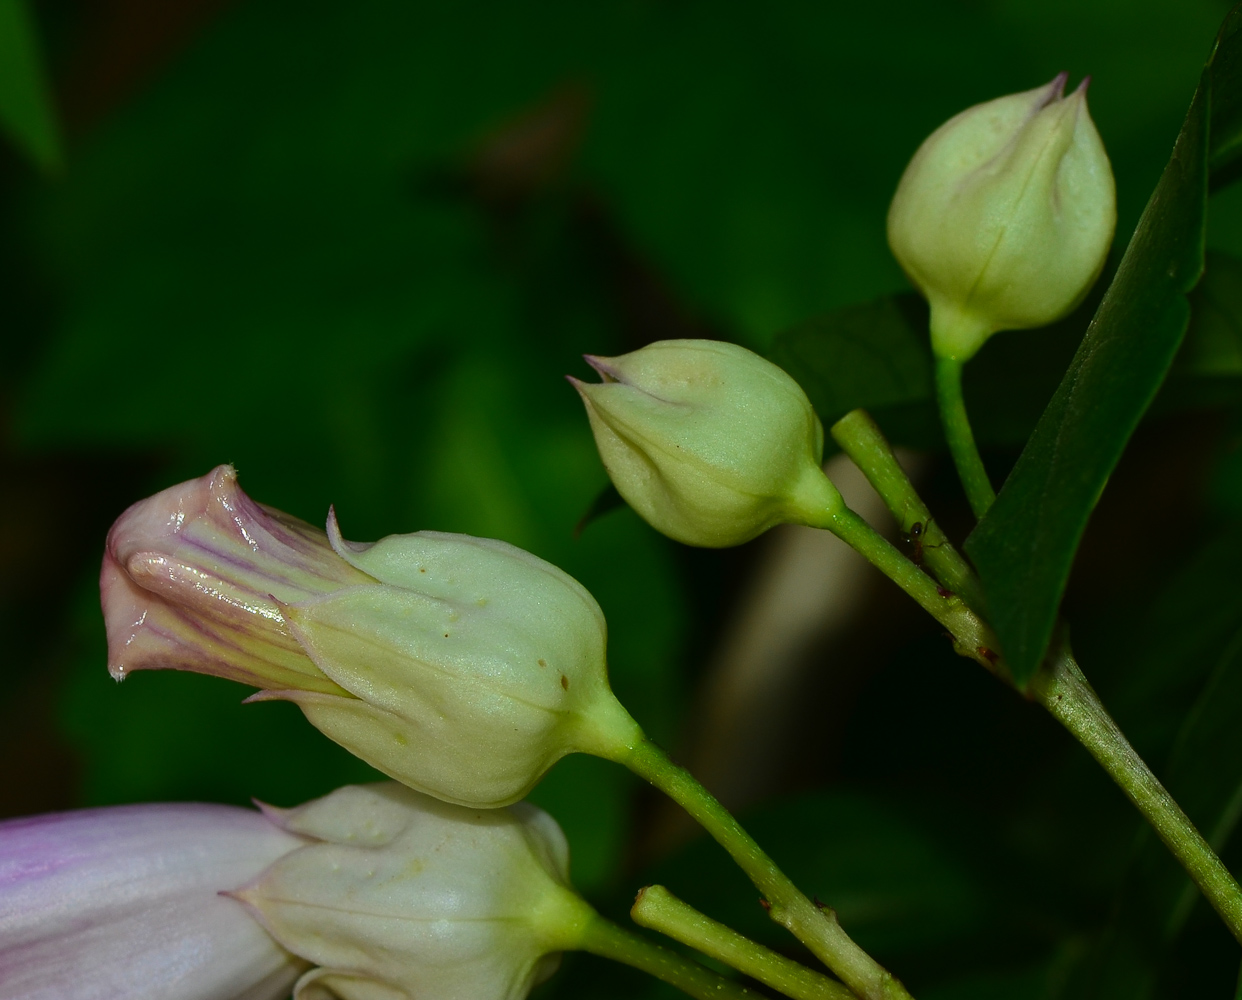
[
  {"x": 957, "y": 432},
  {"x": 1060, "y": 686},
  {"x": 603, "y": 937},
  {"x": 660, "y": 910},
  {"x": 817, "y": 928},
  {"x": 864, "y": 442},
  {"x": 1065, "y": 692}
]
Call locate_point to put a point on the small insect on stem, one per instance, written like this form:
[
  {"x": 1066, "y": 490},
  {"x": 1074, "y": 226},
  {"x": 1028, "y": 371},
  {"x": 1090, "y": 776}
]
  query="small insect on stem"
[{"x": 916, "y": 538}]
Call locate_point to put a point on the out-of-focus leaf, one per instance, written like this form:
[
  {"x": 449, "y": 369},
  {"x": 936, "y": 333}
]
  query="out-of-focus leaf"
[
  {"x": 1214, "y": 339},
  {"x": 871, "y": 356},
  {"x": 1204, "y": 775},
  {"x": 26, "y": 111},
  {"x": 894, "y": 884},
  {"x": 1025, "y": 545},
  {"x": 1178, "y": 660},
  {"x": 1207, "y": 371},
  {"x": 608, "y": 499},
  {"x": 1039, "y": 982},
  {"x": 1167, "y": 663},
  {"x": 1226, "y": 150},
  {"x": 878, "y": 356}
]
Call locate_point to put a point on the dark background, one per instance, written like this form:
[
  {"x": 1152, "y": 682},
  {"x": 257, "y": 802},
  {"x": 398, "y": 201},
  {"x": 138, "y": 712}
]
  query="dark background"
[{"x": 352, "y": 249}]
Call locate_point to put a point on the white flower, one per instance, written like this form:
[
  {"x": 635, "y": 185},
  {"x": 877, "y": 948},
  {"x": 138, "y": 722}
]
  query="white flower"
[
  {"x": 124, "y": 904},
  {"x": 403, "y": 897},
  {"x": 463, "y": 667}
]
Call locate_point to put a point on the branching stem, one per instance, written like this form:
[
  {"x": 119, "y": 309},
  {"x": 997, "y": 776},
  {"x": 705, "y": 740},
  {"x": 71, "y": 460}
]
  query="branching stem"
[
  {"x": 817, "y": 928},
  {"x": 603, "y": 937},
  {"x": 660, "y": 910}
]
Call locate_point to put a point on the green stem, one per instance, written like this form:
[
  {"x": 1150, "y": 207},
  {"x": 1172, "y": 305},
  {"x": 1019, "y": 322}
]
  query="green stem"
[
  {"x": 660, "y": 910},
  {"x": 604, "y": 938},
  {"x": 1060, "y": 687},
  {"x": 864, "y": 442},
  {"x": 972, "y": 636},
  {"x": 817, "y": 928},
  {"x": 957, "y": 432},
  {"x": 1066, "y": 693}
]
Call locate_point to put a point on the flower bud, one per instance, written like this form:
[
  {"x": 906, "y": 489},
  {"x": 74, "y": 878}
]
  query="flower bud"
[
  {"x": 461, "y": 666},
  {"x": 125, "y": 902},
  {"x": 1004, "y": 217},
  {"x": 400, "y": 895},
  {"x": 710, "y": 443}
]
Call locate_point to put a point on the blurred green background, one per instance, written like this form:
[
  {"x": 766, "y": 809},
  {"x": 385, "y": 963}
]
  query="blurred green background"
[{"x": 353, "y": 248}]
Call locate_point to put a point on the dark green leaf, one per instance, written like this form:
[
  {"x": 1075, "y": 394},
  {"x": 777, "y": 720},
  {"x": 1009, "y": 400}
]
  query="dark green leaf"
[
  {"x": 1205, "y": 776},
  {"x": 1226, "y": 139},
  {"x": 877, "y": 356},
  {"x": 1207, "y": 371},
  {"x": 1025, "y": 545},
  {"x": 1214, "y": 340},
  {"x": 895, "y": 882},
  {"x": 872, "y": 356},
  {"x": 608, "y": 499},
  {"x": 26, "y": 112}
]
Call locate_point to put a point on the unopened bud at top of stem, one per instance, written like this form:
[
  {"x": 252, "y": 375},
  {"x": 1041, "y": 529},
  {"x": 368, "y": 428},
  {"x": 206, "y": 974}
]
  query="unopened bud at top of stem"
[
  {"x": 708, "y": 442},
  {"x": 1004, "y": 217}
]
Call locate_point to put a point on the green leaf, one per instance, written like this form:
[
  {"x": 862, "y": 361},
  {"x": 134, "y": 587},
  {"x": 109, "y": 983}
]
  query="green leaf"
[
  {"x": 1213, "y": 345},
  {"x": 26, "y": 112},
  {"x": 1226, "y": 138},
  {"x": 873, "y": 356},
  {"x": 1025, "y": 545},
  {"x": 606, "y": 501},
  {"x": 896, "y": 879},
  {"x": 1204, "y": 775}
]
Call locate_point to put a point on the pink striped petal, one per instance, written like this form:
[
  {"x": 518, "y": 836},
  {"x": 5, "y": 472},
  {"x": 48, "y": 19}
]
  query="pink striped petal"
[{"x": 194, "y": 579}]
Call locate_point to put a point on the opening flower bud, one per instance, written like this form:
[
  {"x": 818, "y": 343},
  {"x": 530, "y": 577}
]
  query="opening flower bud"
[
  {"x": 1004, "y": 217},
  {"x": 710, "y": 443},
  {"x": 400, "y": 895},
  {"x": 461, "y": 666}
]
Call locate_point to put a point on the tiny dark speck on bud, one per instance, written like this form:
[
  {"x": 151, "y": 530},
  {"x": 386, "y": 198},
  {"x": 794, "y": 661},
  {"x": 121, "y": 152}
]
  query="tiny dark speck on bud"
[
  {"x": 446, "y": 635},
  {"x": 542, "y": 663},
  {"x": 564, "y": 682}
]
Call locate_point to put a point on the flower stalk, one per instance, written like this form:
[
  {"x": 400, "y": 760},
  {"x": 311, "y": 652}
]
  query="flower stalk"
[
  {"x": 816, "y": 927},
  {"x": 863, "y": 441},
  {"x": 1059, "y": 686},
  {"x": 660, "y": 910},
  {"x": 961, "y": 439},
  {"x": 604, "y": 938},
  {"x": 1063, "y": 690}
]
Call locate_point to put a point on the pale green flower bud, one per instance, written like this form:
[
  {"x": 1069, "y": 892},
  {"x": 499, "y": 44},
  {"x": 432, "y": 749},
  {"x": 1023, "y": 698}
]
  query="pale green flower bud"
[
  {"x": 461, "y": 666},
  {"x": 1004, "y": 217},
  {"x": 710, "y": 443},
  {"x": 398, "y": 895},
  {"x": 473, "y": 666}
]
